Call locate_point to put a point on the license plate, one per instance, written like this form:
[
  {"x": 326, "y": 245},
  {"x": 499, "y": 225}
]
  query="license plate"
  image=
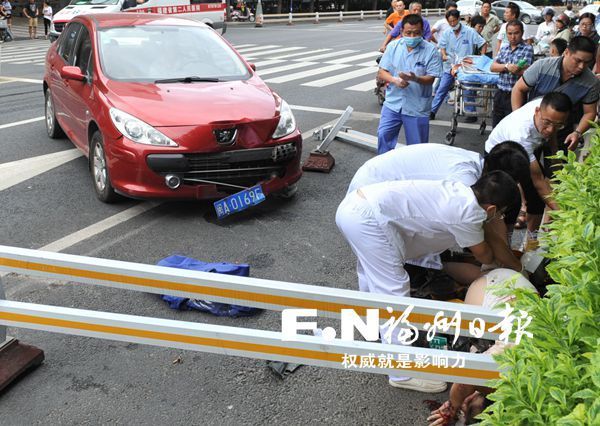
[{"x": 240, "y": 201}]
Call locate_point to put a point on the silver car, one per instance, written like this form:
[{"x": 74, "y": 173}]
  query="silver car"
[{"x": 529, "y": 13}]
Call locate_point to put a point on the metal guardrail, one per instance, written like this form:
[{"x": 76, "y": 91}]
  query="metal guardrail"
[
  {"x": 275, "y": 295},
  {"x": 340, "y": 16}
]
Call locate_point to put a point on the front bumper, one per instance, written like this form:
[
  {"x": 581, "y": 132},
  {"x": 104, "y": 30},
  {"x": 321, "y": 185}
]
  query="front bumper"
[{"x": 138, "y": 171}]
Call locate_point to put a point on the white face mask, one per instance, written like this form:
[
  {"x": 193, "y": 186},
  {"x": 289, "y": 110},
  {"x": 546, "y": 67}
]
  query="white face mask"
[{"x": 456, "y": 27}]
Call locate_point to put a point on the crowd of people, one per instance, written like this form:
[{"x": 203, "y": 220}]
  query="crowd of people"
[
  {"x": 31, "y": 12},
  {"x": 409, "y": 204}
]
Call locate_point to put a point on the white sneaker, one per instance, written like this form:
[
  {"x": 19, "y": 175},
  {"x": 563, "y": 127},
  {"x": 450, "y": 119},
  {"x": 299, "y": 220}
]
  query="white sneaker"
[{"x": 420, "y": 385}]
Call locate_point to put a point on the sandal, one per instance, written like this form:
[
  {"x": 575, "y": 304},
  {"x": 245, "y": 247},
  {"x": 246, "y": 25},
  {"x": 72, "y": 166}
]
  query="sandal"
[{"x": 521, "y": 222}]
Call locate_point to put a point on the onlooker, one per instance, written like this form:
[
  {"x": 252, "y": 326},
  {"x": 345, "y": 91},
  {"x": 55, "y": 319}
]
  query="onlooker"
[
  {"x": 455, "y": 45},
  {"x": 31, "y": 12},
  {"x": 587, "y": 29},
  {"x": 414, "y": 8},
  {"x": 546, "y": 31},
  {"x": 442, "y": 25},
  {"x": 7, "y": 8},
  {"x": 570, "y": 75},
  {"x": 396, "y": 17},
  {"x": 569, "y": 11},
  {"x": 557, "y": 47},
  {"x": 563, "y": 29},
  {"x": 409, "y": 66},
  {"x": 47, "y": 12},
  {"x": 532, "y": 126},
  {"x": 478, "y": 23},
  {"x": 491, "y": 27},
  {"x": 512, "y": 60},
  {"x": 511, "y": 13}
]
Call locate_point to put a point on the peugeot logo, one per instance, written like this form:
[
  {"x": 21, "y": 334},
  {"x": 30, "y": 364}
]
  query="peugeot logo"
[{"x": 225, "y": 136}]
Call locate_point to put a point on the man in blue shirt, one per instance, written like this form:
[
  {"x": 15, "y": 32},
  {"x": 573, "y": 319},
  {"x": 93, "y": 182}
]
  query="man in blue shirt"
[
  {"x": 455, "y": 44},
  {"x": 409, "y": 66}
]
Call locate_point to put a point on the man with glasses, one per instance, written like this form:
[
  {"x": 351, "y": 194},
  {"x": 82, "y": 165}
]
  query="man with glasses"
[
  {"x": 532, "y": 126},
  {"x": 568, "y": 74}
]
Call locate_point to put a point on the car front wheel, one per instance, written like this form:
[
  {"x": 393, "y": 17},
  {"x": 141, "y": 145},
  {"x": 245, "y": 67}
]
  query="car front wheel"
[
  {"x": 99, "y": 168},
  {"x": 52, "y": 127},
  {"x": 526, "y": 19}
]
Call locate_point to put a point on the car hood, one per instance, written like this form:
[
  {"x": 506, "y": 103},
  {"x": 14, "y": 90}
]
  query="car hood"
[{"x": 193, "y": 104}]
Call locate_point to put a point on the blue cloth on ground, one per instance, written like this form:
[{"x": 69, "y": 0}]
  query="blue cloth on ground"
[
  {"x": 215, "y": 308},
  {"x": 484, "y": 76}
]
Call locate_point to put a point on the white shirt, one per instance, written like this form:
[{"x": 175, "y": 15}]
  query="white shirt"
[
  {"x": 47, "y": 11},
  {"x": 502, "y": 35},
  {"x": 426, "y": 161},
  {"x": 439, "y": 27},
  {"x": 545, "y": 32},
  {"x": 426, "y": 217},
  {"x": 518, "y": 127}
]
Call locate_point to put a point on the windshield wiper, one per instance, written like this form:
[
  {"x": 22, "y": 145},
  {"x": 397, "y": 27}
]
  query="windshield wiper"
[{"x": 191, "y": 79}]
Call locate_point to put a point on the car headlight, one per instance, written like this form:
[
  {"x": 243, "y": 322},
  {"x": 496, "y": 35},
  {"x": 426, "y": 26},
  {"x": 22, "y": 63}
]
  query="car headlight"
[
  {"x": 287, "y": 122},
  {"x": 137, "y": 130}
]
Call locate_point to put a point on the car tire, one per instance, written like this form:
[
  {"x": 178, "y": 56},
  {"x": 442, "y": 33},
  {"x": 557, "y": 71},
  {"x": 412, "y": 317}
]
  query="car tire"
[
  {"x": 526, "y": 19},
  {"x": 99, "y": 170},
  {"x": 52, "y": 127}
]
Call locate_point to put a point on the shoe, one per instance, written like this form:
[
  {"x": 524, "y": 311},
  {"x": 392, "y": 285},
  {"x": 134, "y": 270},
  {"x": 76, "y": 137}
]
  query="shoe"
[
  {"x": 420, "y": 385},
  {"x": 432, "y": 115},
  {"x": 470, "y": 119}
]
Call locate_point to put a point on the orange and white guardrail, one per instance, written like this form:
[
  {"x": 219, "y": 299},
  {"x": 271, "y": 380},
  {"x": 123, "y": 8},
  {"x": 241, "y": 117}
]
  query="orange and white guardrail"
[{"x": 274, "y": 295}]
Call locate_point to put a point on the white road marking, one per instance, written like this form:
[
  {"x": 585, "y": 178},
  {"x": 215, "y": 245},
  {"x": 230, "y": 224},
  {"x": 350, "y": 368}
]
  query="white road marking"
[
  {"x": 341, "y": 77},
  {"x": 285, "y": 68},
  {"x": 16, "y": 172},
  {"x": 370, "y": 63},
  {"x": 22, "y": 58},
  {"x": 32, "y": 62},
  {"x": 99, "y": 227},
  {"x": 308, "y": 52},
  {"x": 267, "y": 63},
  {"x": 270, "y": 52},
  {"x": 354, "y": 58},
  {"x": 363, "y": 87},
  {"x": 304, "y": 74},
  {"x": 241, "y": 46},
  {"x": 327, "y": 55},
  {"x": 19, "y": 123},
  {"x": 256, "y": 49}
]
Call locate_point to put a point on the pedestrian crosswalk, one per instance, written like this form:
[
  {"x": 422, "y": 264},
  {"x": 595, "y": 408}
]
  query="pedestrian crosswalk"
[
  {"x": 313, "y": 67},
  {"x": 276, "y": 64},
  {"x": 31, "y": 52}
]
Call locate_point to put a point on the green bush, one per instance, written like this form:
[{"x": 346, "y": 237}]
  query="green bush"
[{"x": 554, "y": 377}]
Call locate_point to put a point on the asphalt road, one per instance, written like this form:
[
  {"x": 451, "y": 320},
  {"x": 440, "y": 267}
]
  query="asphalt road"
[{"x": 89, "y": 381}]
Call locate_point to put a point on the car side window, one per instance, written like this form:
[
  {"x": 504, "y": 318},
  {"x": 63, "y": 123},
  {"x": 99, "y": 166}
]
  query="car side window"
[
  {"x": 68, "y": 41},
  {"x": 83, "y": 56}
]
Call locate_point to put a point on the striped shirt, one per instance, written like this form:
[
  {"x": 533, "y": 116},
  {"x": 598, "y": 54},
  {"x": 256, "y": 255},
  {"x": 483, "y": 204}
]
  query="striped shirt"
[{"x": 508, "y": 55}]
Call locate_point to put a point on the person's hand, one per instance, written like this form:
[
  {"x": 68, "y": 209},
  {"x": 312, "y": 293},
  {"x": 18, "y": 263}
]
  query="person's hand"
[
  {"x": 512, "y": 68},
  {"x": 382, "y": 48},
  {"x": 467, "y": 61},
  {"x": 443, "y": 415},
  {"x": 401, "y": 83},
  {"x": 408, "y": 77},
  {"x": 444, "y": 58},
  {"x": 572, "y": 141}
]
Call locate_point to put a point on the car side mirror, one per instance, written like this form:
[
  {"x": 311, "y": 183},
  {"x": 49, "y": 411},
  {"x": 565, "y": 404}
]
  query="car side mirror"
[
  {"x": 252, "y": 66},
  {"x": 72, "y": 73}
]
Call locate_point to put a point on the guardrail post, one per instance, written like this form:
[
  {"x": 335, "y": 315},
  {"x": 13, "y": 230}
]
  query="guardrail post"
[
  {"x": 426, "y": 12},
  {"x": 15, "y": 357},
  {"x": 362, "y": 16},
  {"x": 290, "y": 19},
  {"x": 316, "y": 17},
  {"x": 341, "y": 18},
  {"x": 259, "y": 15}
]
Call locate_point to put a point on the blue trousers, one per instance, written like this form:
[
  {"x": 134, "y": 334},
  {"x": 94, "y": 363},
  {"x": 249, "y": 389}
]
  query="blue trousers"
[
  {"x": 445, "y": 84},
  {"x": 416, "y": 129}
]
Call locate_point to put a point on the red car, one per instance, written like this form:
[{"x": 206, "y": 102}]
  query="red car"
[{"x": 165, "y": 108}]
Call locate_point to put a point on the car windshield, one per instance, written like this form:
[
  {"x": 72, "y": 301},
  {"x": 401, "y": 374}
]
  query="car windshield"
[
  {"x": 92, "y": 2},
  {"x": 149, "y": 53},
  {"x": 523, "y": 5}
]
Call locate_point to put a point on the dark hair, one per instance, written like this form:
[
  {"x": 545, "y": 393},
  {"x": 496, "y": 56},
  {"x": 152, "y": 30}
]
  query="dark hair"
[
  {"x": 582, "y": 44},
  {"x": 412, "y": 19},
  {"x": 496, "y": 188},
  {"x": 560, "y": 44},
  {"x": 450, "y": 4},
  {"x": 587, "y": 15},
  {"x": 557, "y": 101},
  {"x": 514, "y": 8},
  {"x": 477, "y": 20},
  {"x": 510, "y": 157},
  {"x": 454, "y": 12},
  {"x": 516, "y": 23},
  {"x": 486, "y": 2}
]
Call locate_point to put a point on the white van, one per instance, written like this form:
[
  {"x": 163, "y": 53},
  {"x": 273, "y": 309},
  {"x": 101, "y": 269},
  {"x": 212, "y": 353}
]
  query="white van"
[{"x": 211, "y": 12}]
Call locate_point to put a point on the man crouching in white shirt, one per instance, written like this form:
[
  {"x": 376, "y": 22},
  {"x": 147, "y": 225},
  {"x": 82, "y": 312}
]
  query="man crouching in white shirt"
[{"x": 389, "y": 223}]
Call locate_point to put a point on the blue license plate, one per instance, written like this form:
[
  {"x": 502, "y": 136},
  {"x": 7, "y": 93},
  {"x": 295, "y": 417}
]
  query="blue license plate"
[{"x": 240, "y": 201}]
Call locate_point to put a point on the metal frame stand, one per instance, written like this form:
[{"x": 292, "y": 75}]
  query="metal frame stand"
[
  {"x": 320, "y": 160},
  {"x": 16, "y": 358}
]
